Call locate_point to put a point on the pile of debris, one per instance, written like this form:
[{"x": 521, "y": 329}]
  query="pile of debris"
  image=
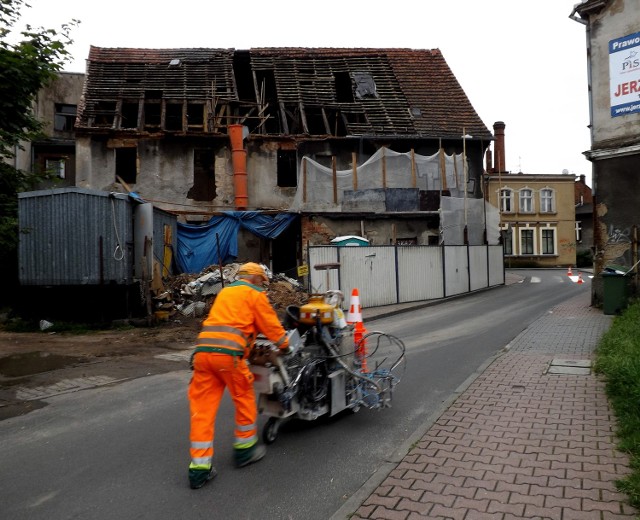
[{"x": 191, "y": 295}]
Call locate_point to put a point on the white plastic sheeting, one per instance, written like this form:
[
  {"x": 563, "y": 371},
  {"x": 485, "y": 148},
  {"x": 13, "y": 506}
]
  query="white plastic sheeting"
[
  {"x": 476, "y": 214},
  {"x": 384, "y": 169}
]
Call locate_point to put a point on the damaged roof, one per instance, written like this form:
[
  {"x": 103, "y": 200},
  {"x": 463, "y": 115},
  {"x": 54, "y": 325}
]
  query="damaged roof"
[{"x": 335, "y": 92}]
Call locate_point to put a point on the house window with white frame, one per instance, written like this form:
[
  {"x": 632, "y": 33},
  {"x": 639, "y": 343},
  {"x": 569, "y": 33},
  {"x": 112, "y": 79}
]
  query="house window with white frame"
[
  {"x": 526, "y": 200},
  {"x": 506, "y": 200},
  {"x": 527, "y": 241},
  {"x": 547, "y": 203},
  {"x": 507, "y": 241},
  {"x": 548, "y": 241}
]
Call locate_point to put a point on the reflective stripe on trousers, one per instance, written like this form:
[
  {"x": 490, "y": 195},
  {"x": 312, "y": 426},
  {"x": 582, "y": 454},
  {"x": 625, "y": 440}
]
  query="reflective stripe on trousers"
[{"x": 211, "y": 375}]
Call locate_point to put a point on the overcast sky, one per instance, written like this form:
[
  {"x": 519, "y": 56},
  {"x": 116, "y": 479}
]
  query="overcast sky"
[{"x": 520, "y": 62}]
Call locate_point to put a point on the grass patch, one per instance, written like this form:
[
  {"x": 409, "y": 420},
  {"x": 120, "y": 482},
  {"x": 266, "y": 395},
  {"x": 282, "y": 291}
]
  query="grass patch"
[{"x": 617, "y": 358}]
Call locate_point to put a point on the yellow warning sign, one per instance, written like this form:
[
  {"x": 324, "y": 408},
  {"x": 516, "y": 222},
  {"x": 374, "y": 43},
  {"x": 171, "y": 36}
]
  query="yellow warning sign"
[{"x": 303, "y": 270}]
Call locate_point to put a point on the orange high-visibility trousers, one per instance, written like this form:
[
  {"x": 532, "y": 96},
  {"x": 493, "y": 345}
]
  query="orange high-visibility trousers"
[{"x": 212, "y": 372}]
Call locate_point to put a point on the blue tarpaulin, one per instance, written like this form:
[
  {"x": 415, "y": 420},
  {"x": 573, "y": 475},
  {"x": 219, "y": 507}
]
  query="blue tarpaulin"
[{"x": 198, "y": 246}]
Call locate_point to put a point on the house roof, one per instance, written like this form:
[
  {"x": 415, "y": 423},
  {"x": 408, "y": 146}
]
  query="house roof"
[
  {"x": 587, "y": 7},
  {"x": 374, "y": 92}
]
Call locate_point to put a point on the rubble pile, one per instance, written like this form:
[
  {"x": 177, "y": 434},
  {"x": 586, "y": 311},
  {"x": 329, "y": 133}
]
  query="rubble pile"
[{"x": 191, "y": 295}]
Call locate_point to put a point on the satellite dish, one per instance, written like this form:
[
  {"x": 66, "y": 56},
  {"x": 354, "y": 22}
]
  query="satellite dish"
[{"x": 565, "y": 172}]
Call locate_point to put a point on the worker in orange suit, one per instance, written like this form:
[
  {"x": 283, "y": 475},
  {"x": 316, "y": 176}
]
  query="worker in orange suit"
[{"x": 240, "y": 311}]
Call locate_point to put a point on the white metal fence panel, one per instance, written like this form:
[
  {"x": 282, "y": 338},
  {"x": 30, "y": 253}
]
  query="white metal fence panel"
[
  {"x": 420, "y": 273},
  {"x": 386, "y": 275},
  {"x": 496, "y": 265},
  {"x": 478, "y": 267},
  {"x": 372, "y": 270},
  {"x": 321, "y": 279},
  {"x": 456, "y": 270}
]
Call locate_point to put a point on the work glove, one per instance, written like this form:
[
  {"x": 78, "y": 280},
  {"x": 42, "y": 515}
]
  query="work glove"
[{"x": 285, "y": 351}]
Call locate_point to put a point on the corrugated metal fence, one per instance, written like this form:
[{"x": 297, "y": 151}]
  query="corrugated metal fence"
[{"x": 388, "y": 275}]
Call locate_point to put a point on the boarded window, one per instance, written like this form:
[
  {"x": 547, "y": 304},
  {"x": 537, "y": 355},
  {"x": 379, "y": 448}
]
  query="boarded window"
[
  {"x": 204, "y": 180},
  {"x": 126, "y": 164}
]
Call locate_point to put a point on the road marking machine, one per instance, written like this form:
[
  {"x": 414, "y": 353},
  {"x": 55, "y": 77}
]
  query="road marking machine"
[{"x": 331, "y": 366}]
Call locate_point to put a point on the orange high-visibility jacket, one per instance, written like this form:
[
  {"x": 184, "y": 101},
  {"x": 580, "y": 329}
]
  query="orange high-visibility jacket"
[{"x": 240, "y": 311}]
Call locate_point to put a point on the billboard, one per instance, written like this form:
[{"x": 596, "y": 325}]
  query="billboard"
[{"x": 624, "y": 75}]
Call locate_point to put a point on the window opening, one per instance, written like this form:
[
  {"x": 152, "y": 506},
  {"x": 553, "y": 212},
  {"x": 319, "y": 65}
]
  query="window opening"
[
  {"x": 173, "y": 117},
  {"x": 195, "y": 116},
  {"x": 287, "y": 169},
  {"x": 55, "y": 167},
  {"x": 105, "y": 112},
  {"x": 548, "y": 242},
  {"x": 506, "y": 204},
  {"x": 344, "y": 87},
  {"x": 152, "y": 113},
  {"x": 336, "y": 123},
  {"x": 526, "y": 242},
  {"x": 204, "y": 179},
  {"x": 546, "y": 201},
  {"x": 129, "y": 115},
  {"x": 267, "y": 96},
  {"x": 526, "y": 201},
  {"x": 507, "y": 241},
  {"x": 315, "y": 121},
  {"x": 65, "y": 117},
  {"x": 126, "y": 164}
]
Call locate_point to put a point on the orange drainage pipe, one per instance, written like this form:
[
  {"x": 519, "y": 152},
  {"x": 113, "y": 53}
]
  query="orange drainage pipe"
[{"x": 239, "y": 162}]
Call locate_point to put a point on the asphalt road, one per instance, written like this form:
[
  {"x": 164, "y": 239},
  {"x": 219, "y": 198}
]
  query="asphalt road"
[{"x": 122, "y": 451}]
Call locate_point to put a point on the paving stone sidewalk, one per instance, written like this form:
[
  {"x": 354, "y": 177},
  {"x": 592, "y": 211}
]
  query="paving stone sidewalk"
[{"x": 521, "y": 441}]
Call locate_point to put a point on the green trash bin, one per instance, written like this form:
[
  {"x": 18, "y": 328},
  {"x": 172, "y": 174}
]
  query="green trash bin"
[{"x": 616, "y": 292}]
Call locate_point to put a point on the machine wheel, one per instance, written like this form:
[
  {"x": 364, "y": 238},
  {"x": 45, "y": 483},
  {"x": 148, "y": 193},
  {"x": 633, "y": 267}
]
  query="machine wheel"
[{"x": 270, "y": 430}]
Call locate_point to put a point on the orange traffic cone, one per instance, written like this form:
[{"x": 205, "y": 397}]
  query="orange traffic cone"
[
  {"x": 569, "y": 272},
  {"x": 580, "y": 278},
  {"x": 355, "y": 309},
  {"x": 355, "y": 317}
]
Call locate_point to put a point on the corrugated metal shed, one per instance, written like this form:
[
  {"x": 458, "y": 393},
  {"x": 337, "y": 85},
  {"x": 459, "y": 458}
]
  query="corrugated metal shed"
[{"x": 76, "y": 236}]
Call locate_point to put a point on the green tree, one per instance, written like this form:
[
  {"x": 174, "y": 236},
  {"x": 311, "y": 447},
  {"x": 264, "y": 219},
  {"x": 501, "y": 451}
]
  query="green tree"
[{"x": 27, "y": 65}]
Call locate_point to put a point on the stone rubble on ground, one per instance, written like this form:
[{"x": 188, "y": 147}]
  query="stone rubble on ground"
[{"x": 191, "y": 295}]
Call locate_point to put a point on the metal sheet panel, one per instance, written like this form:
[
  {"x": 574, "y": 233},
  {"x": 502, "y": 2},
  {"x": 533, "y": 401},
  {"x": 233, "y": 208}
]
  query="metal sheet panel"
[
  {"x": 478, "y": 267},
  {"x": 456, "y": 270},
  {"x": 420, "y": 273},
  {"x": 385, "y": 275},
  {"x": 496, "y": 265},
  {"x": 73, "y": 236},
  {"x": 322, "y": 280},
  {"x": 370, "y": 269},
  {"x": 76, "y": 236}
]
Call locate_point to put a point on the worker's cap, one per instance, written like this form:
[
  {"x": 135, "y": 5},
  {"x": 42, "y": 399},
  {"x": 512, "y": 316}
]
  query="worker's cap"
[{"x": 252, "y": 269}]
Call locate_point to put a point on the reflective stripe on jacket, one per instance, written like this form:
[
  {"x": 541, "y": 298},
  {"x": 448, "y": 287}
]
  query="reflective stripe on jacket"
[{"x": 240, "y": 311}]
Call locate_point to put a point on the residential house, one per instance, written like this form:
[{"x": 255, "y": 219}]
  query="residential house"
[
  {"x": 537, "y": 212},
  {"x": 56, "y": 106},
  {"x": 613, "y": 43},
  {"x": 360, "y": 142}
]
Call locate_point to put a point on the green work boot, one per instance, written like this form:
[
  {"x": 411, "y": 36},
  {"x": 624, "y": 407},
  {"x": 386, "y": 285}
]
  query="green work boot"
[
  {"x": 246, "y": 456},
  {"x": 199, "y": 477}
]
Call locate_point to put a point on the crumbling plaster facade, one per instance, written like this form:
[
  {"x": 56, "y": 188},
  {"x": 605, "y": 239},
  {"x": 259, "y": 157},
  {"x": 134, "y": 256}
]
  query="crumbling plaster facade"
[{"x": 613, "y": 42}]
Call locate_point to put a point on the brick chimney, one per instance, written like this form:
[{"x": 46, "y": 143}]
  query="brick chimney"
[{"x": 499, "y": 160}]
